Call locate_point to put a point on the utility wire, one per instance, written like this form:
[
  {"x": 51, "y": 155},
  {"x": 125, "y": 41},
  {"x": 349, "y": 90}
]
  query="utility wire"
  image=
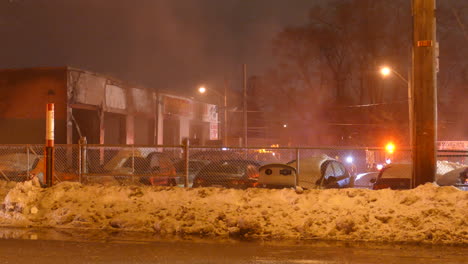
[{"x": 377, "y": 104}]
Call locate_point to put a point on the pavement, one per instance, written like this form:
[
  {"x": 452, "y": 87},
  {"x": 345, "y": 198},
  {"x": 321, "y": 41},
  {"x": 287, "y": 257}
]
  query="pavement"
[{"x": 74, "y": 246}]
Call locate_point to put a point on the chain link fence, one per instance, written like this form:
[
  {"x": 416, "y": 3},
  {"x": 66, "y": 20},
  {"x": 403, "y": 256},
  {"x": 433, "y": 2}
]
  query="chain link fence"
[
  {"x": 194, "y": 166},
  {"x": 19, "y": 162}
]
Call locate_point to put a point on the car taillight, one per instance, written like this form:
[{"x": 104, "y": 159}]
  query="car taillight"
[
  {"x": 158, "y": 180},
  {"x": 253, "y": 175},
  {"x": 381, "y": 186},
  {"x": 199, "y": 181}
]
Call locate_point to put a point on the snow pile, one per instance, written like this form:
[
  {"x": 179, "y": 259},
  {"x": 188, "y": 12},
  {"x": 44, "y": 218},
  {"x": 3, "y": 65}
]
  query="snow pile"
[{"x": 428, "y": 213}]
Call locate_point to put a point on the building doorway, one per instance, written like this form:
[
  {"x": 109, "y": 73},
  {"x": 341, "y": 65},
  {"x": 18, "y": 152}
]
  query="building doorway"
[
  {"x": 85, "y": 122},
  {"x": 144, "y": 130},
  {"x": 171, "y": 132},
  {"x": 114, "y": 129}
]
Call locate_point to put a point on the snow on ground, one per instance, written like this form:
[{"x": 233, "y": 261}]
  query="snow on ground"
[{"x": 428, "y": 213}]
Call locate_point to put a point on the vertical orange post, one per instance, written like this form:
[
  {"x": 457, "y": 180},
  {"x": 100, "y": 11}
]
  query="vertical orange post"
[{"x": 49, "y": 148}]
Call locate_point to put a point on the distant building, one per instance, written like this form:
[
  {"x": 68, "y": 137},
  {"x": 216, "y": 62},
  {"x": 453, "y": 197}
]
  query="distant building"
[{"x": 102, "y": 109}]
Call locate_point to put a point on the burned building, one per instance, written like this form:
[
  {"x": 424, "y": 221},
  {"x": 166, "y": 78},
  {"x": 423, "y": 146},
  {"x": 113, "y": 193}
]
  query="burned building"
[{"x": 102, "y": 109}]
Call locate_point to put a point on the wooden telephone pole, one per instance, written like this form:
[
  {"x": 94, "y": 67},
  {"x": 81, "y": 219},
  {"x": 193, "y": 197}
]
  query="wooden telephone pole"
[
  {"x": 424, "y": 92},
  {"x": 244, "y": 103}
]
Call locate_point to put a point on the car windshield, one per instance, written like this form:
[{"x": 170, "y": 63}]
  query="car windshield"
[
  {"x": 224, "y": 167},
  {"x": 215, "y": 155},
  {"x": 17, "y": 161},
  {"x": 194, "y": 166}
]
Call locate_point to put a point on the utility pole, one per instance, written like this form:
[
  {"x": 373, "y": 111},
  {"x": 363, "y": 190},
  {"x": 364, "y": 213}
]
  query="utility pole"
[
  {"x": 244, "y": 108},
  {"x": 225, "y": 127},
  {"x": 424, "y": 92}
]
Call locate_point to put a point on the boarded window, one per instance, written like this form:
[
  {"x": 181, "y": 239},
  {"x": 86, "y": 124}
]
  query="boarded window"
[{"x": 115, "y": 97}]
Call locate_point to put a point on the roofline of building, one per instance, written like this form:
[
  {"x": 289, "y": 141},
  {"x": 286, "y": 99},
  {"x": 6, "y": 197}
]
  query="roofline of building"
[{"x": 110, "y": 77}]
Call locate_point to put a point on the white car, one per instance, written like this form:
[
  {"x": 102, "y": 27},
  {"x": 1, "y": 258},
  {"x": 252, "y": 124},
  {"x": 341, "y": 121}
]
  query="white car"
[
  {"x": 365, "y": 180},
  {"x": 314, "y": 172},
  {"x": 398, "y": 175},
  {"x": 457, "y": 177}
]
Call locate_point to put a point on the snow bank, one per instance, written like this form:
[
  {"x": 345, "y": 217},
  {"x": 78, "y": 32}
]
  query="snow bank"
[{"x": 428, "y": 213}]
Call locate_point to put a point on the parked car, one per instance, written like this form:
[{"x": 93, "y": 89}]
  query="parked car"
[
  {"x": 240, "y": 174},
  {"x": 216, "y": 155},
  {"x": 194, "y": 167},
  {"x": 23, "y": 167},
  {"x": 398, "y": 176},
  {"x": 365, "y": 180},
  {"x": 263, "y": 156},
  {"x": 314, "y": 172},
  {"x": 277, "y": 175},
  {"x": 162, "y": 170},
  {"x": 457, "y": 177},
  {"x": 134, "y": 165},
  {"x": 15, "y": 166}
]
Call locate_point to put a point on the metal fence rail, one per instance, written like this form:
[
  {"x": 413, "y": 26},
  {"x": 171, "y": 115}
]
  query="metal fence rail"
[{"x": 193, "y": 166}]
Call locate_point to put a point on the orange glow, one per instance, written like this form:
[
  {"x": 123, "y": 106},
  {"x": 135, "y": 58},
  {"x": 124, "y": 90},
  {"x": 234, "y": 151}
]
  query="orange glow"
[
  {"x": 390, "y": 147},
  {"x": 385, "y": 71},
  {"x": 201, "y": 89}
]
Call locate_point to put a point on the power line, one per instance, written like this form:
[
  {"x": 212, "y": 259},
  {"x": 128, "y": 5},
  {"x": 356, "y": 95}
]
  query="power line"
[{"x": 377, "y": 104}]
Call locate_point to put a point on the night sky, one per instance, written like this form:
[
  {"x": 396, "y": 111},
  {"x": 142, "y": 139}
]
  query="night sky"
[{"x": 167, "y": 44}]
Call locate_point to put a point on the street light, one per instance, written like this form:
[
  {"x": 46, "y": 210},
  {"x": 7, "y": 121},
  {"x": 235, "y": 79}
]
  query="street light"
[
  {"x": 202, "y": 90},
  {"x": 390, "y": 148},
  {"x": 385, "y": 71}
]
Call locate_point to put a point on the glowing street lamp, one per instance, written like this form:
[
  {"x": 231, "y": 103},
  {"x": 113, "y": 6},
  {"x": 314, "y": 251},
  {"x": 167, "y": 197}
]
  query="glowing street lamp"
[
  {"x": 202, "y": 89},
  {"x": 385, "y": 71},
  {"x": 390, "y": 148}
]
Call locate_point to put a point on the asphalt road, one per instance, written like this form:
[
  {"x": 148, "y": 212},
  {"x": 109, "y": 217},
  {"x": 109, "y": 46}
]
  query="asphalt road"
[{"x": 51, "y": 246}]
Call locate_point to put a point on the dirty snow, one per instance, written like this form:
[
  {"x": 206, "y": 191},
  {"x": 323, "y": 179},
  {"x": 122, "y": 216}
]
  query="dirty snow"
[{"x": 429, "y": 213}]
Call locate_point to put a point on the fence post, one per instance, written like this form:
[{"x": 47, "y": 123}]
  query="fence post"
[
  {"x": 27, "y": 155},
  {"x": 296, "y": 180},
  {"x": 79, "y": 161},
  {"x": 49, "y": 148},
  {"x": 186, "y": 146},
  {"x": 133, "y": 163},
  {"x": 82, "y": 157}
]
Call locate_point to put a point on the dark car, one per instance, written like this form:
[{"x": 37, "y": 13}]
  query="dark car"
[
  {"x": 240, "y": 174},
  {"x": 394, "y": 176},
  {"x": 216, "y": 155},
  {"x": 194, "y": 167}
]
